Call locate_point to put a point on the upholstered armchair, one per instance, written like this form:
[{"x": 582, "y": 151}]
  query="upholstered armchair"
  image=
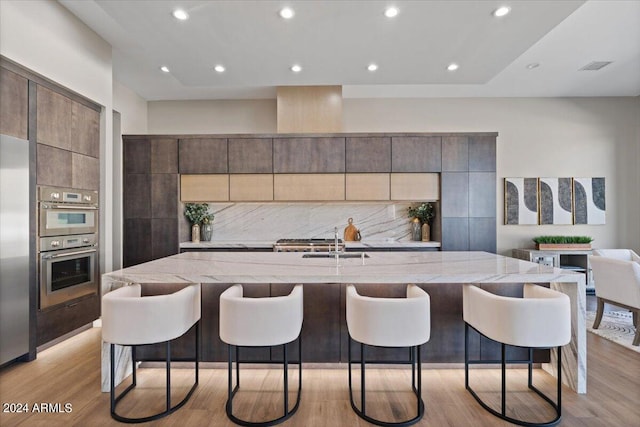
[{"x": 616, "y": 273}]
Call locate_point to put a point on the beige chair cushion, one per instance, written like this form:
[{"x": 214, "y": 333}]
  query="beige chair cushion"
[{"x": 616, "y": 280}]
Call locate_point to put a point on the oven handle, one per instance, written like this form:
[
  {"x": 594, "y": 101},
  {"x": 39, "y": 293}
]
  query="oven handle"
[
  {"x": 51, "y": 256},
  {"x": 76, "y": 207}
]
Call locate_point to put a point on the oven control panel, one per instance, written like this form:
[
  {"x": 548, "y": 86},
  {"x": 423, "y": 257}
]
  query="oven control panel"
[
  {"x": 53, "y": 194},
  {"x": 67, "y": 242}
]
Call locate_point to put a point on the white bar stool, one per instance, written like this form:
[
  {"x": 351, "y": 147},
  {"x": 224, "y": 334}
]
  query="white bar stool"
[
  {"x": 261, "y": 322},
  {"x": 389, "y": 322},
  {"x": 541, "y": 319},
  {"x": 129, "y": 319}
]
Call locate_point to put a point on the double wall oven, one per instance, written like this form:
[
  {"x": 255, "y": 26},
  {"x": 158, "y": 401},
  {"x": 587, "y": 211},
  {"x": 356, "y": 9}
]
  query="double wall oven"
[{"x": 67, "y": 244}]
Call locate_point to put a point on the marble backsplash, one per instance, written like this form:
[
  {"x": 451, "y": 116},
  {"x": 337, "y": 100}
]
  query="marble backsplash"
[{"x": 272, "y": 221}]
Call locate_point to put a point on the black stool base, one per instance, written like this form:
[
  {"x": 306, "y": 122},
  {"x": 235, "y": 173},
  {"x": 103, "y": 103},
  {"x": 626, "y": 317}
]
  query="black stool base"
[
  {"x": 502, "y": 415},
  {"x": 233, "y": 390},
  {"x": 170, "y": 409},
  {"x": 413, "y": 360}
]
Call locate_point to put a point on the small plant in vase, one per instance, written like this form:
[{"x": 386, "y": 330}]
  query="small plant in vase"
[
  {"x": 421, "y": 224},
  {"x": 195, "y": 214}
]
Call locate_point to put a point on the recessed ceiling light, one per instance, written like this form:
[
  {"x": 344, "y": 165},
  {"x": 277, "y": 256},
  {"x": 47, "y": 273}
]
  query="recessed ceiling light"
[
  {"x": 219, "y": 68},
  {"x": 391, "y": 12},
  {"x": 372, "y": 67},
  {"x": 180, "y": 14},
  {"x": 165, "y": 68},
  {"x": 452, "y": 67},
  {"x": 532, "y": 65},
  {"x": 501, "y": 11},
  {"x": 287, "y": 13},
  {"x": 296, "y": 68}
]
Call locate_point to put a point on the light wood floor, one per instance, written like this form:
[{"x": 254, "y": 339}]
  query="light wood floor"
[{"x": 70, "y": 373}]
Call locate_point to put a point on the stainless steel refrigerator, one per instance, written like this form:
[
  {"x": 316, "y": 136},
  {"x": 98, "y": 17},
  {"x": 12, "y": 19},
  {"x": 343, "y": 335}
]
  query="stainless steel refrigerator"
[{"x": 14, "y": 248}]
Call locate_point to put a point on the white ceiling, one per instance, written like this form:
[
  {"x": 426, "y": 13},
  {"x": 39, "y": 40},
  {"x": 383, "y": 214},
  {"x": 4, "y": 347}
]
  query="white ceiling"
[{"x": 334, "y": 41}]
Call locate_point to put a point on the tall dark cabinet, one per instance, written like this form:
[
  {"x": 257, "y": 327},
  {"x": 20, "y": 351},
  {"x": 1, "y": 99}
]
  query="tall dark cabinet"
[{"x": 150, "y": 199}]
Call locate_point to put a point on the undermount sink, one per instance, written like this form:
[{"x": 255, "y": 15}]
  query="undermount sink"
[{"x": 329, "y": 255}]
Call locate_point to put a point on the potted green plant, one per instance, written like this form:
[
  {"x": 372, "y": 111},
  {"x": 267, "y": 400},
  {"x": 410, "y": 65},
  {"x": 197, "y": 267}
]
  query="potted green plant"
[
  {"x": 195, "y": 214},
  {"x": 422, "y": 216},
  {"x": 562, "y": 242}
]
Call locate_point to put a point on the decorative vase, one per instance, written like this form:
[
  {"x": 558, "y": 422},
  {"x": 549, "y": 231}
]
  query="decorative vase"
[
  {"x": 426, "y": 232},
  {"x": 416, "y": 230},
  {"x": 195, "y": 233},
  {"x": 205, "y": 232}
]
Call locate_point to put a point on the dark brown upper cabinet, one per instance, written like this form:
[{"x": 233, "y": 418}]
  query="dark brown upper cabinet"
[
  {"x": 368, "y": 154},
  {"x": 482, "y": 154},
  {"x": 251, "y": 155},
  {"x": 455, "y": 154},
  {"x": 203, "y": 155},
  {"x": 136, "y": 155},
  {"x": 85, "y": 130},
  {"x": 85, "y": 172},
  {"x": 53, "y": 118},
  {"x": 164, "y": 155},
  {"x": 14, "y": 104},
  {"x": 164, "y": 195},
  {"x": 416, "y": 154},
  {"x": 454, "y": 194},
  {"x": 309, "y": 155},
  {"x": 53, "y": 166}
]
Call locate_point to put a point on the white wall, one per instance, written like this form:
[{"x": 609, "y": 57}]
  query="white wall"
[
  {"x": 202, "y": 117},
  {"x": 538, "y": 137},
  {"x": 132, "y": 108},
  {"x": 44, "y": 37}
]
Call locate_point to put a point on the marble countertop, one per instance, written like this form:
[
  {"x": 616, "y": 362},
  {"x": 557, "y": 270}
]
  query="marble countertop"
[
  {"x": 268, "y": 244},
  {"x": 379, "y": 267}
]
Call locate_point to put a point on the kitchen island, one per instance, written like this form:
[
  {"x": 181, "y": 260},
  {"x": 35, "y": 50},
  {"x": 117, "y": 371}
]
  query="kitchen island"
[{"x": 441, "y": 274}]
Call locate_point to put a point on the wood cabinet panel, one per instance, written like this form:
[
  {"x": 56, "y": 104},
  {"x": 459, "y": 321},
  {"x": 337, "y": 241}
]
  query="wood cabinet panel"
[
  {"x": 164, "y": 237},
  {"x": 14, "y": 104},
  {"x": 455, "y": 234},
  {"x": 85, "y": 130},
  {"x": 416, "y": 154},
  {"x": 251, "y": 155},
  {"x": 251, "y": 187},
  {"x": 137, "y": 195},
  {"x": 415, "y": 186},
  {"x": 204, "y": 188},
  {"x": 135, "y": 241},
  {"x": 164, "y": 195},
  {"x": 367, "y": 186},
  {"x": 136, "y": 155},
  {"x": 482, "y": 153},
  {"x": 368, "y": 154},
  {"x": 482, "y": 234},
  {"x": 455, "y": 154},
  {"x": 85, "y": 172},
  {"x": 321, "y": 326},
  {"x": 53, "y": 118},
  {"x": 63, "y": 319},
  {"x": 455, "y": 194},
  {"x": 482, "y": 194},
  {"x": 203, "y": 155},
  {"x": 164, "y": 155},
  {"x": 308, "y": 155},
  {"x": 298, "y": 187},
  {"x": 53, "y": 166}
]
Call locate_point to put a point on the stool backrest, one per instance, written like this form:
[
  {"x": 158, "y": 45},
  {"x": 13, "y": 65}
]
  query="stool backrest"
[
  {"x": 129, "y": 319},
  {"x": 389, "y": 322},
  {"x": 616, "y": 280},
  {"x": 541, "y": 319},
  {"x": 260, "y": 321}
]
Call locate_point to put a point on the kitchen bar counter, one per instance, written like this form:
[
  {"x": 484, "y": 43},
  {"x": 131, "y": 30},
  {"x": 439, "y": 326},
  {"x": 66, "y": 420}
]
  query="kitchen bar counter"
[
  {"x": 440, "y": 273},
  {"x": 393, "y": 245}
]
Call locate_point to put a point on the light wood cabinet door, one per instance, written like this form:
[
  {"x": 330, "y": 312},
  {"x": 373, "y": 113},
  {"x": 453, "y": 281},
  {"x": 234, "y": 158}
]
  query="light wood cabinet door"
[
  {"x": 416, "y": 154},
  {"x": 204, "y": 188},
  {"x": 85, "y": 130},
  {"x": 308, "y": 155},
  {"x": 53, "y": 118},
  {"x": 250, "y": 187},
  {"x": 367, "y": 186},
  {"x": 250, "y": 155},
  {"x": 203, "y": 155},
  {"x": 14, "y": 104},
  {"x": 308, "y": 187},
  {"x": 415, "y": 186}
]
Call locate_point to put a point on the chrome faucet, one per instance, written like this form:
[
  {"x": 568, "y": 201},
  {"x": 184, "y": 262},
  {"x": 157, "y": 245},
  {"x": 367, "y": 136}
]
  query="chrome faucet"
[{"x": 335, "y": 230}]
